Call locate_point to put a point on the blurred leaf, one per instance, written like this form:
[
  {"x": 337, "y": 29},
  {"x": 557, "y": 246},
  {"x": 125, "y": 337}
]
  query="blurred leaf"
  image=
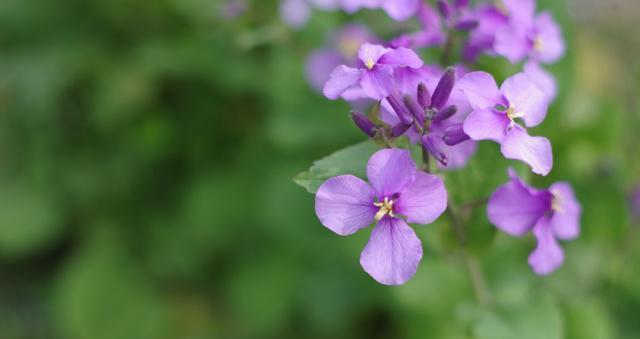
[{"x": 350, "y": 160}]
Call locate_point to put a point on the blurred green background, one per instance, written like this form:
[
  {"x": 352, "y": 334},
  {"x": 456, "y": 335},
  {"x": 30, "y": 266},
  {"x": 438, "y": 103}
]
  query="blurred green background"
[{"x": 146, "y": 156}]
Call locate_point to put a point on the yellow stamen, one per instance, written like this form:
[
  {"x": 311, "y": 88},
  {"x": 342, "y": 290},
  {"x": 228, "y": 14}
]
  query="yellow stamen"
[
  {"x": 512, "y": 112},
  {"x": 557, "y": 201},
  {"x": 386, "y": 207},
  {"x": 538, "y": 44},
  {"x": 370, "y": 63}
]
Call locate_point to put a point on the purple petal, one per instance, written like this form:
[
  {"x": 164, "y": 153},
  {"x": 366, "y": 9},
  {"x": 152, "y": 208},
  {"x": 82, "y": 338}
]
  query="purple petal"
[
  {"x": 401, "y": 57},
  {"x": 480, "y": 89},
  {"x": 369, "y": 53},
  {"x": 377, "y": 83},
  {"x": 484, "y": 124},
  {"x": 565, "y": 221},
  {"x": 400, "y": 10},
  {"x": 344, "y": 204},
  {"x": 535, "y": 151},
  {"x": 341, "y": 79},
  {"x": 443, "y": 89},
  {"x": 520, "y": 12},
  {"x": 393, "y": 252},
  {"x": 548, "y": 255},
  {"x": 515, "y": 208},
  {"x": 319, "y": 65},
  {"x": 551, "y": 44},
  {"x": 526, "y": 97},
  {"x": 295, "y": 13},
  {"x": 458, "y": 155},
  {"x": 543, "y": 79},
  {"x": 424, "y": 200},
  {"x": 390, "y": 171},
  {"x": 512, "y": 43}
]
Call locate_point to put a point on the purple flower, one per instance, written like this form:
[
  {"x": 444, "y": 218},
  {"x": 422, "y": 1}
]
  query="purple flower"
[
  {"x": 342, "y": 48},
  {"x": 296, "y": 13},
  {"x": 529, "y": 36},
  {"x": 396, "y": 9},
  {"x": 374, "y": 78},
  {"x": 552, "y": 214},
  {"x": 398, "y": 193},
  {"x": 430, "y": 33},
  {"x": 495, "y": 112},
  {"x": 481, "y": 39}
]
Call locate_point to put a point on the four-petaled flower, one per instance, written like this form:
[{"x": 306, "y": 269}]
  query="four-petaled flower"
[
  {"x": 375, "y": 77},
  {"x": 495, "y": 112},
  {"x": 398, "y": 193},
  {"x": 551, "y": 214}
]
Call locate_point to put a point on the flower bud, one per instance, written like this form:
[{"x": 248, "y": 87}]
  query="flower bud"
[
  {"x": 445, "y": 113},
  {"x": 435, "y": 146},
  {"x": 444, "y": 9},
  {"x": 399, "y": 130},
  {"x": 404, "y": 115},
  {"x": 424, "y": 97},
  {"x": 467, "y": 25},
  {"x": 364, "y": 123},
  {"x": 454, "y": 135},
  {"x": 443, "y": 90},
  {"x": 414, "y": 109}
]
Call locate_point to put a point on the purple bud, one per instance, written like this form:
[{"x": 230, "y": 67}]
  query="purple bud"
[
  {"x": 364, "y": 123},
  {"x": 401, "y": 111},
  {"x": 461, "y": 4},
  {"x": 416, "y": 111},
  {"x": 454, "y": 135},
  {"x": 399, "y": 130},
  {"x": 434, "y": 145},
  {"x": 445, "y": 113},
  {"x": 467, "y": 25},
  {"x": 424, "y": 97},
  {"x": 444, "y": 9},
  {"x": 443, "y": 90}
]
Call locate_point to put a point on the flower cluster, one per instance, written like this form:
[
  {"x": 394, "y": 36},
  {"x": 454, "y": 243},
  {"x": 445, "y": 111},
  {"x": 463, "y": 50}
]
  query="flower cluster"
[{"x": 444, "y": 109}]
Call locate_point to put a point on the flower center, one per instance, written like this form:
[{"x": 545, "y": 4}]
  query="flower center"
[
  {"x": 370, "y": 63},
  {"x": 386, "y": 208},
  {"x": 538, "y": 44},
  {"x": 557, "y": 201},
  {"x": 513, "y": 113}
]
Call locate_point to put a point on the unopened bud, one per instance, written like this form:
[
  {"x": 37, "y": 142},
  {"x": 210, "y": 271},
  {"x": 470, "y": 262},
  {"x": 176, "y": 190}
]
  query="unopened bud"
[
  {"x": 444, "y": 9},
  {"x": 424, "y": 97},
  {"x": 414, "y": 109},
  {"x": 435, "y": 146},
  {"x": 454, "y": 135},
  {"x": 364, "y": 123},
  {"x": 443, "y": 90},
  {"x": 445, "y": 113},
  {"x": 404, "y": 115}
]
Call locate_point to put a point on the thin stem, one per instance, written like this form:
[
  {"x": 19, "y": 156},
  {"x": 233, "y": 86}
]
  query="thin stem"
[
  {"x": 474, "y": 268},
  {"x": 426, "y": 163},
  {"x": 448, "y": 49}
]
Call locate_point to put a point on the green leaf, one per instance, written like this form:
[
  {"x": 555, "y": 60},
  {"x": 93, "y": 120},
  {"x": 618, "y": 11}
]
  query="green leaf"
[{"x": 350, "y": 160}]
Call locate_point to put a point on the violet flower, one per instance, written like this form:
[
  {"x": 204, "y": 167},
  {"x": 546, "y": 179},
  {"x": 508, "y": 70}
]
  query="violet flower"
[
  {"x": 399, "y": 10},
  {"x": 481, "y": 39},
  {"x": 398, "y": 193},
  {"x": 495, "y": 112},
  {"x": 551, "y": 214},
  {"x": 374, "y": 78},
  {"x": 342, "y": 48}
]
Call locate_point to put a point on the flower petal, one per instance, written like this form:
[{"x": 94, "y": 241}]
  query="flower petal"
[
  {"x": 319, "y": 65},
  {"x": 548, "y": 255},
  {"x": 424, "y": 200},
  {"x": 514, "y": 207},
  {"x": 341, "y": 79},
  {"x": 481, "y": 90},
  {"x": 400, "y": 10},
  {"x": 552, "y": 45},
  {"x": 512, "y": 43},
  {"x": 295, "y": 13},
  {"x": 393, "y": 252},
  {"x": 370, "y": 53},
  {"x": 377, "y": 83},
  {"x": 543, "y": 79},
  {"x": 401, "y": 57},
  {"x": 565, "y": 222},
  {"x": 520, "y": 12},
  {"x": 483, "y": 124},
  {"x": 390, "y": 171},
  {"x": 344, "y": 204},
  {"x": 535, "y": 151},
  {"x": 527, "y": 98}
]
